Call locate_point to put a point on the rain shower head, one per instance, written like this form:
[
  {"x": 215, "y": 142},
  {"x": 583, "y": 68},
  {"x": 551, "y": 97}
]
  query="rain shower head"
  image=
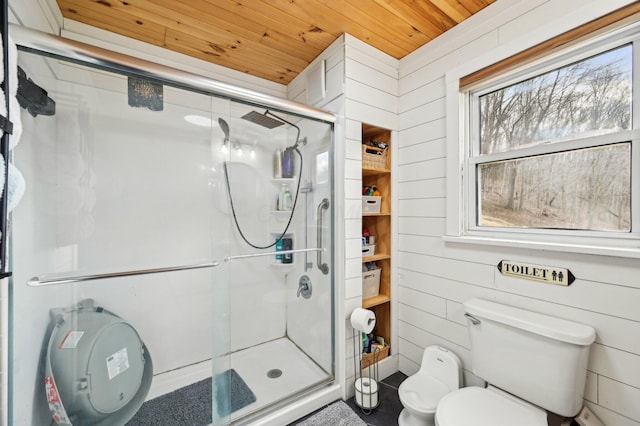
[
  {"x": 263, "y": 119},
  {"x": 225, "y": 129},
  {"x": 271, "y": 123}
]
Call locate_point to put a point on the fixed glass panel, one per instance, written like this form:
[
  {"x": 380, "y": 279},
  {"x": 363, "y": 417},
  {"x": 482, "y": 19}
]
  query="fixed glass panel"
[
  {"x": 587, "y": 98},
  {"x": 271, "y": 172},
  {"x": 585, "y": 189}
]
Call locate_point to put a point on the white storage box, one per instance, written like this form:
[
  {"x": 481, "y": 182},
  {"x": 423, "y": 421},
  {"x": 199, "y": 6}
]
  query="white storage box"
[
  {"x": 371, "y": 283},
  {"x": 371, "y": 203},
  {"x": 369, "y": 250}
]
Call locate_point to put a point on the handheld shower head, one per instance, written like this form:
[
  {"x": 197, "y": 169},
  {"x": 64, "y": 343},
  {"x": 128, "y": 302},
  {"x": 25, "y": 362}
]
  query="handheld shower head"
[{"x": 225, "y": 129}]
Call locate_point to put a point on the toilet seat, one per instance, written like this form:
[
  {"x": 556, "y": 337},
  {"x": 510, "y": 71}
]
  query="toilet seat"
[
  {"x": 475, "y": 406},
  {"x": 422, "y": 393}
]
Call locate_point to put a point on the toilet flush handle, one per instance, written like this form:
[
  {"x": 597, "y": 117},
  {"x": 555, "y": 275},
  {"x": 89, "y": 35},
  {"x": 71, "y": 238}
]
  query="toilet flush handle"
[{"x": 474, "y": 320}]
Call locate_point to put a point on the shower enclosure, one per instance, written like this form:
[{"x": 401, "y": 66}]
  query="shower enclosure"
[{"x": 201, "y": 218}]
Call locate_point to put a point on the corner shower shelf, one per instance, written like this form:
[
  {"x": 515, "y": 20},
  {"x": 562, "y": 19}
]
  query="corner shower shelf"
[
  {"x": 280, "y": 181},
  {"x": 283, "y": 266},
  {"x": 279, "y": 213}
]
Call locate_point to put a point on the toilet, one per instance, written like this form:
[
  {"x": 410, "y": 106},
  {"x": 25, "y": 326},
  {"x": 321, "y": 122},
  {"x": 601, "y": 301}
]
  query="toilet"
[
  {"x": 531, "y": 362},
  {"x": 440, "y": 373}
]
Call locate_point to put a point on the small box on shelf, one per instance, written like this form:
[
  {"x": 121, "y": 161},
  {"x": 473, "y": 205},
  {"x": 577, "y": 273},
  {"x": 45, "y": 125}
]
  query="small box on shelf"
[
  {"x": 368, "y": 250},
  {"x": 371, "y": 203},
  {"x": 371, "y": 283}
]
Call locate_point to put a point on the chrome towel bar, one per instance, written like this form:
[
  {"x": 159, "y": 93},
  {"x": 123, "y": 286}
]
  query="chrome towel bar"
[
  {"x": 44, "y": 280},
  {"x": 271, "y": 253}
]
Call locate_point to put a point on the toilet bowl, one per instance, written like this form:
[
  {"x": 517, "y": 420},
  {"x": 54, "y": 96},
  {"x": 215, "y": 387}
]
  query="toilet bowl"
[
  {"x": 440, "y": 373},
  {"x": 487, "y": 407}
]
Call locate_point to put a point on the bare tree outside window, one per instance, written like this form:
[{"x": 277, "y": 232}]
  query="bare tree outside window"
[{"x": 582, "y": 189}]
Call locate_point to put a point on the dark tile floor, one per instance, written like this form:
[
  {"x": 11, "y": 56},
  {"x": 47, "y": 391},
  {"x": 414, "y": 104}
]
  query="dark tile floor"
[
  {"x": 389, "y": 408},
  {"x": 387, "y": 412}
]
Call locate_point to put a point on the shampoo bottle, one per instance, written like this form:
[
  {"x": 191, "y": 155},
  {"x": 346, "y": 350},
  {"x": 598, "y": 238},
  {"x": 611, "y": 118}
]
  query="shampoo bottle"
[
  {"x": 277, "y": 164},
  {"x": 288, "y": 165}
]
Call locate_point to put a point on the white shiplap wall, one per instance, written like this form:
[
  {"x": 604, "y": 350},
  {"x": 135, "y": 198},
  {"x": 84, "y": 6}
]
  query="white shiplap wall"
[
  {"x": 435, "y": 277},
  {"x": 362, "y": 87},
  {"x": 371, "y": 97}
]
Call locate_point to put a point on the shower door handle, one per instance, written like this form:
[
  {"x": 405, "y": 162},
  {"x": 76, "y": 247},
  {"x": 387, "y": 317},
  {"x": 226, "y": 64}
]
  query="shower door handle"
[{"x": 324, "y": 205}]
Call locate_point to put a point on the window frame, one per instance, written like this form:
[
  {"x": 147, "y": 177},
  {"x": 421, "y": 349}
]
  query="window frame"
[{"x": 463, "y": 114}]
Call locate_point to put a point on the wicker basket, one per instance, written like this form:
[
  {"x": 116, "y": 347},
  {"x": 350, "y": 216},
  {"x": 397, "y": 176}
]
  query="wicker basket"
[
  {"x": 374, "y": 157},
  {"x": 371, "y": 358}
]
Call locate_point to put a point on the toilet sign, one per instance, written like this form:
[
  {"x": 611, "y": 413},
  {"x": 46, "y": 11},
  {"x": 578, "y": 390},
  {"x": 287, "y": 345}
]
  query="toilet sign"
[{"x": 545, "y": 274}]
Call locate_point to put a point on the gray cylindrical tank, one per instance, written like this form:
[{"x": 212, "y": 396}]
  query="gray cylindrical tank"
[
  {"x": 539, "y": 358},
  {"x": 98, "y": 370}
]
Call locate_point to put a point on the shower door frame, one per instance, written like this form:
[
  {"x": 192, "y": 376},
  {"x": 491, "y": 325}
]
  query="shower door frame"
[{"x": 76, "y": 52}]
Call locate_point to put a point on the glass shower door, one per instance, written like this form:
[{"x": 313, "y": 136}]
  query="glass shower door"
[
  {"x": 188, "y": 225},
  {"x": 122, "y": 193}
]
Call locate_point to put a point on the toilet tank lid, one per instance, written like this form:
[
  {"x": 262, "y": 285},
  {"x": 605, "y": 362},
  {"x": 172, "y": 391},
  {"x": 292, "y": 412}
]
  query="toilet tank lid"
[{"x": 544, "y": 325}]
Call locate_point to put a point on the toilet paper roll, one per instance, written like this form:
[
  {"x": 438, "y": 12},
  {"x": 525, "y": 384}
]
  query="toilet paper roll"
[
  {"x": 366, "y": 392},
  {"x": 363, "y": 320}
]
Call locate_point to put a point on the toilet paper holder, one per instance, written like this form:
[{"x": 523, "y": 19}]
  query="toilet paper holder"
[{"x": 365, "y": 368}]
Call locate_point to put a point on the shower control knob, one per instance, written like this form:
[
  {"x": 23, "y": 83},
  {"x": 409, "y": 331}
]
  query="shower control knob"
[{"x": 304, "y": 287}]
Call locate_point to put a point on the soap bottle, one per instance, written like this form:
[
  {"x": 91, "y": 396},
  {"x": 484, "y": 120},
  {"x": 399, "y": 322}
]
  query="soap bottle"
[
  {"x": 287, "y": 245},
  {"x": 279, "y": 249},
  {"x": 286, "y": 200},
  {"x": 366, "y": 343}
]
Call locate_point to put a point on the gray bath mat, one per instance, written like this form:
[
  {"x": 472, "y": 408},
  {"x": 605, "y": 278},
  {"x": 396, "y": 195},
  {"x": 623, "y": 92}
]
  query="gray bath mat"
[
  {"x": 191, "y": 405},
  {"x": 232, "y": 393},
  {"x": 188, "y": 406},
  {"x": 336, "y": 414}
]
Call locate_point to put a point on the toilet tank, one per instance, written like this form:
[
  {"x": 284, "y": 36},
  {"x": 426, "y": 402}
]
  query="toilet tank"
[{"x": 539, "y": 358}]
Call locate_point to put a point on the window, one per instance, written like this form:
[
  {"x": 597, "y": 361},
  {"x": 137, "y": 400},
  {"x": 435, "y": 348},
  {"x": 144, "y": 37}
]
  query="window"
[{"x": 552, "y": 150}]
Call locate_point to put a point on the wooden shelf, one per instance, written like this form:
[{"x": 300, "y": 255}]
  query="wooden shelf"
[
  {"x": 380, "y": 256},
  {"x": 375, "y": 301},
  {"x": 379, "y": 225},
  {"x": 367, "y": 171}
]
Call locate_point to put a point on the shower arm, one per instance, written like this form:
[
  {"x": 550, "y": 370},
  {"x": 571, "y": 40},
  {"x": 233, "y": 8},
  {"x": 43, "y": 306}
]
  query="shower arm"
[{"x": 295, "y": 145}]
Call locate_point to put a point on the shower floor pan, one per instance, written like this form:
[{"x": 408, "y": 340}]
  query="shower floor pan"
[{"x": 274, "y": 371}]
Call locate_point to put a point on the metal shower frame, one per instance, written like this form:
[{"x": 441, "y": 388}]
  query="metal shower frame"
[
  {"x": 45, "y": 44},
  {"x": 54, "y": 46},
  {"x": 75, "y": 51}
]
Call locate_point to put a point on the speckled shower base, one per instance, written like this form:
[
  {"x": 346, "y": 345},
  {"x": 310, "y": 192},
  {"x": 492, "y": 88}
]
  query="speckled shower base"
[{"x": 271, "y": 371}]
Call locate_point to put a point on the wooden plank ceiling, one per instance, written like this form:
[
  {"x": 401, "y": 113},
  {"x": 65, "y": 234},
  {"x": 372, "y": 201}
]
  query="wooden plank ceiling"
[{"x": 272, "y": 39}]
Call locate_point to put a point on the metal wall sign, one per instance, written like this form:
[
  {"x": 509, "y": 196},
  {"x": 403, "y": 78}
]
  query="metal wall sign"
[{"x": 545, "y": 274}]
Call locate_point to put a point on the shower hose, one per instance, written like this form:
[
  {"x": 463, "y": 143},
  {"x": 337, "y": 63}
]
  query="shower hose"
[{"x": 293, "y": 209}]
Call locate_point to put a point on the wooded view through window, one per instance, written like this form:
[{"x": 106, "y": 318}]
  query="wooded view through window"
[{"x": 546, "y": 183}]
